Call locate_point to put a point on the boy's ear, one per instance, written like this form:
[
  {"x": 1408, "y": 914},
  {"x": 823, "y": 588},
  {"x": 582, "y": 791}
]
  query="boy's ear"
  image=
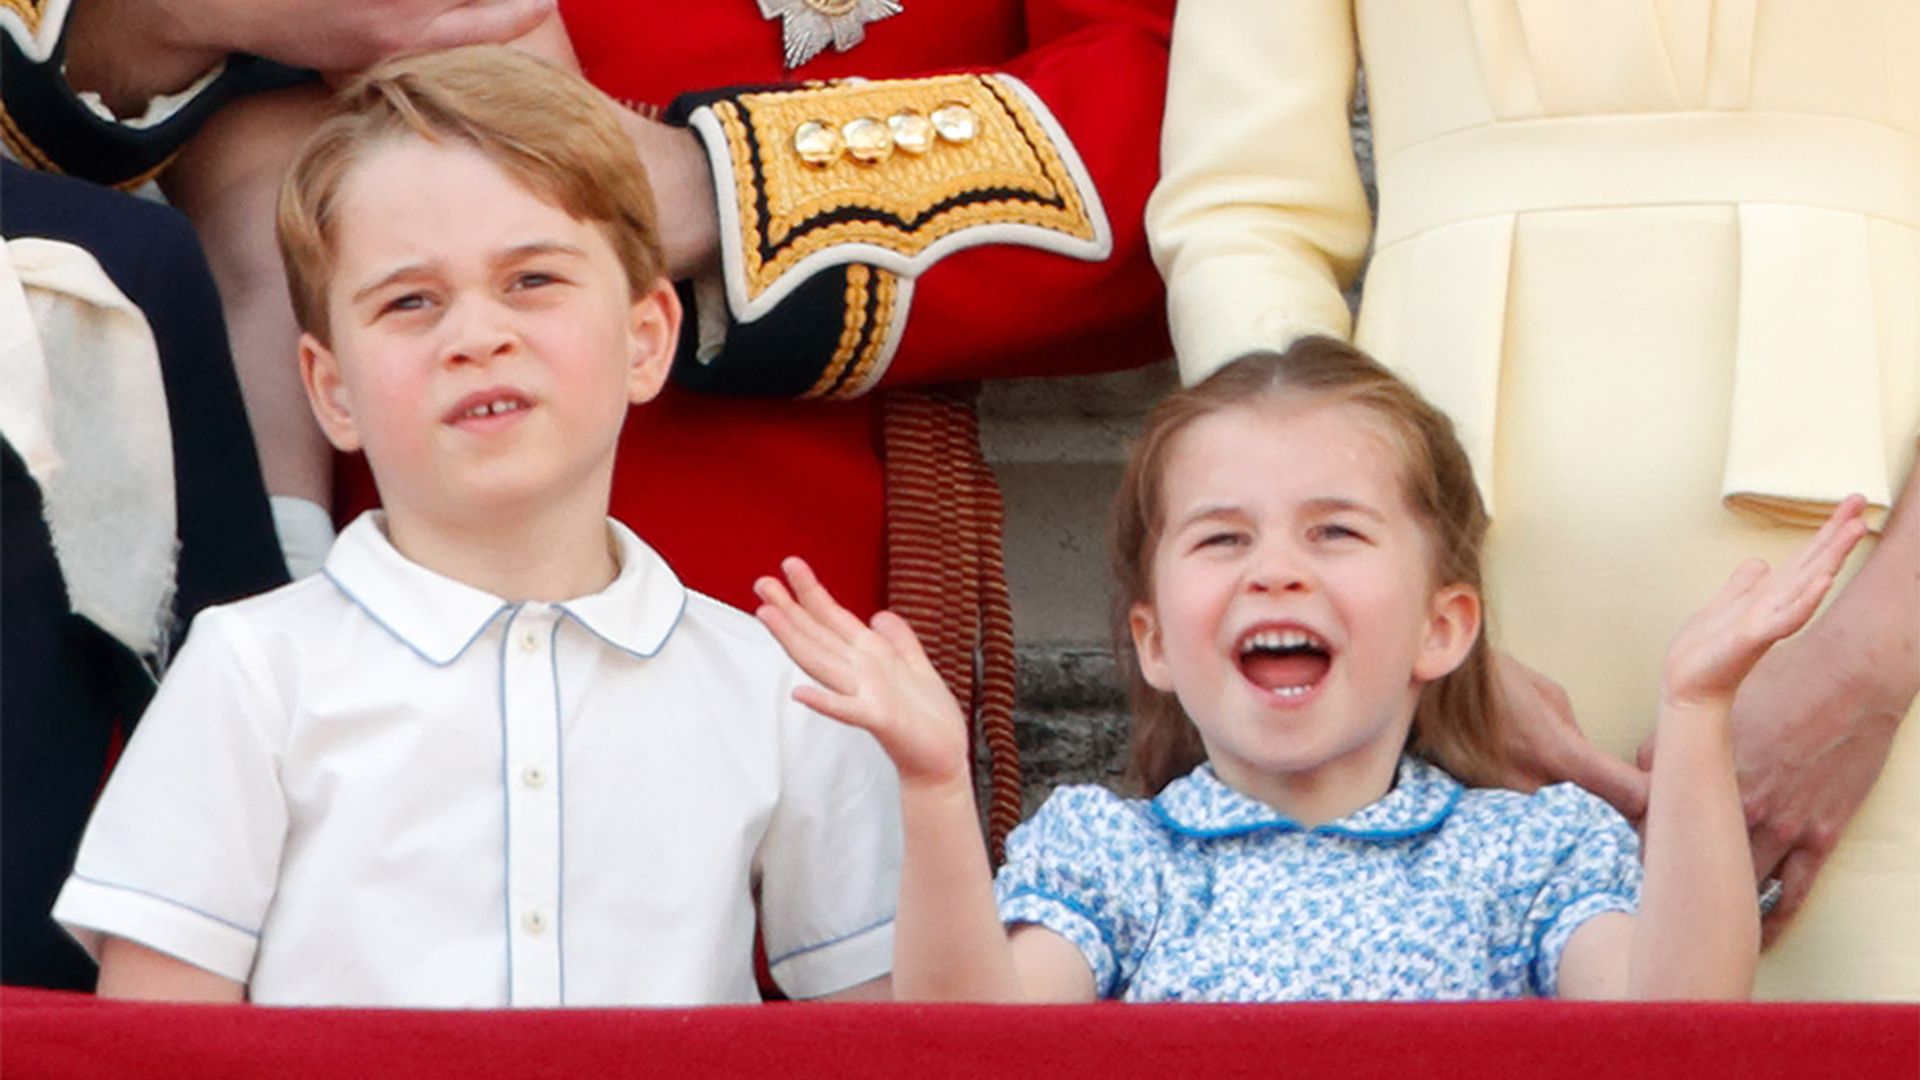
[
  {"x": 1453, "y": 625},
  {"x": 327, "y": 394},
  {"x": 653, "y": 334},
  {"x": 1148, "y": 648}
]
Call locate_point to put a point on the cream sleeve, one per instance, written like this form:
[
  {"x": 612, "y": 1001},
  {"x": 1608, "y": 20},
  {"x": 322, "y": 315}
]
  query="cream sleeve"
[{"x": 1259, "y": 218}]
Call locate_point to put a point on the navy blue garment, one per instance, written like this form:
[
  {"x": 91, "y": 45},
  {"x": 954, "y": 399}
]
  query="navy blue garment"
[{"x": 65, "y": 685}]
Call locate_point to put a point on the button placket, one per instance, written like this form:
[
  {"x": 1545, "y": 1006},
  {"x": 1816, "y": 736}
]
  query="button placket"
[{"x": 531, "y": 747}]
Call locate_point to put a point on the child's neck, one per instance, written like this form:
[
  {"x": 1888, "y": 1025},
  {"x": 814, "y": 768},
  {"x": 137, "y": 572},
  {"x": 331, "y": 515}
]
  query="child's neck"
[{"x": 552, "y": 557}]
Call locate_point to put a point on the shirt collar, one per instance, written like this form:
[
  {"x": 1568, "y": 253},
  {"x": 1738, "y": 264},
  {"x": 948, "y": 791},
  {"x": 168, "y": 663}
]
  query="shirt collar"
[
  {"x": 1200, "y": 805},
  {"x": 438, "y": 617}
]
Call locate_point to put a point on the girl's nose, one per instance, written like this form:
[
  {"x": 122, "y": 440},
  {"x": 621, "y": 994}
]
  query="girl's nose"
[{"x": 1274, "y": 571}]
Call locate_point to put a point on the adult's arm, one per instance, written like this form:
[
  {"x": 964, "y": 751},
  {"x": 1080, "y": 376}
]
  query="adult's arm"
[
  {"x": 1260, "y": 219},
  {"x": 1813, "y": 723},
  {"x": 108, "y": 90},
  {"x": 1020, "y": 250}
]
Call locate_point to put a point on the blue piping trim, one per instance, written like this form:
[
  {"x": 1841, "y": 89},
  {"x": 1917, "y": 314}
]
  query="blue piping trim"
[
  {"x": 1285, "y": 825},
  {"x": 805, "y": 949},
  {"x": 169, "y": 901},
  {"x": 616, "y": 646},
  {"x": 560, "y": 810},
  {"x": 506, "y": 820},
  {"x": 401, "y": 638},
  {"x": 1106, "y": 940}
]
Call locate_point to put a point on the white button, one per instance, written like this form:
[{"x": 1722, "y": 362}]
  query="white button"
[
  {"x": 534, "y": 922},
  {"x": 529, "y": 640},
  {"x": 533, "y": 776}
]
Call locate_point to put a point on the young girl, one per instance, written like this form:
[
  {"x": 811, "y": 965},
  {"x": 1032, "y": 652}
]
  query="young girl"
[{"x": 1297, "y": 545}]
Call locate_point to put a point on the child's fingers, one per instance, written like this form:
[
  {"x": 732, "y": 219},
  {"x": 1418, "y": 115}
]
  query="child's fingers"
[
  {"x": 818, "y": 602},
  {"x": 905, "y": 642},
  {"x": 839, "y": 707},
  {"x": 827, "y": 665}
]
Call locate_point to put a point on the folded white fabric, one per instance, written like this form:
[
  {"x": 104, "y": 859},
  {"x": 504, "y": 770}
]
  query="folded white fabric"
[{"x": 82, "y": 403}]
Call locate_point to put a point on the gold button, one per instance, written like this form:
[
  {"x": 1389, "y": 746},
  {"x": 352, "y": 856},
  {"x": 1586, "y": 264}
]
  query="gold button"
[
  {"x": 912, "y": 132},
  {"x": 955, "y": 122},
  {"x": 868, "y": 140},
  {"x": 818, "y": 143}
]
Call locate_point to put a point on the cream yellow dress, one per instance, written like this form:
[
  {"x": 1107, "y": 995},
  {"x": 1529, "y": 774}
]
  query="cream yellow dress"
[{"x": 1659, "y": 260}]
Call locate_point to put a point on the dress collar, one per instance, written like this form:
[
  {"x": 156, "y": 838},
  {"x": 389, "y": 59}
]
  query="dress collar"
[
  {"x": 1200, "y": 805},
  {"x": 438, "y": 617}
]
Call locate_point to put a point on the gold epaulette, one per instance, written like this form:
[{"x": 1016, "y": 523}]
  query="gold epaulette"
[{"x": 894, "y": 174}]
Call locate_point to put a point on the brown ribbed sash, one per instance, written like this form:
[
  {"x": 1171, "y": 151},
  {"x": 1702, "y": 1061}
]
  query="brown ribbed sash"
[{"x": 946, "y": 573}]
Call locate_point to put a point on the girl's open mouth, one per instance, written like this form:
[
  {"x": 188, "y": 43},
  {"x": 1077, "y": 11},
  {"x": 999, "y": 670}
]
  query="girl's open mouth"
[{"x": 1288, "y": 662}]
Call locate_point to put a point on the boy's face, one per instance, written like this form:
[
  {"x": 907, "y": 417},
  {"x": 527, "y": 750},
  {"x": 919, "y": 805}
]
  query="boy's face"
[{"x": 485, "y": 344}]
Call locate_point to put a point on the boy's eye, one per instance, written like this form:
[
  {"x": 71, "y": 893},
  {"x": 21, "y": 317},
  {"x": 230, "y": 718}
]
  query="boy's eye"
[{"x": 407, "y": 302}]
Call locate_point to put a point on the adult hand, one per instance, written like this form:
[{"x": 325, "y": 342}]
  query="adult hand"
[
  {"x": 1544, "y": 743},
  {"x": 130, "y": 50}
]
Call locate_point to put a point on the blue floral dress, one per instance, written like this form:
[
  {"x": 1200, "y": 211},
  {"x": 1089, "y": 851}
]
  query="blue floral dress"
[{"x": 1435, "y": 891}]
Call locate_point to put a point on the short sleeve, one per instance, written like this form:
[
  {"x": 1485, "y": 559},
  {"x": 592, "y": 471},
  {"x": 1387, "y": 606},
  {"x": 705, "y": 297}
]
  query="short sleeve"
[
  {"x": 183, "y": 851},
  {"x": 830, "y": 861},
  {"x": 1587, "y": 862},
  {"x": 1087, "y": 867}
]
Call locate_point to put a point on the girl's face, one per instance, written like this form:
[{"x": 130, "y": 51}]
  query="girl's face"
[{"x": 1293, "y": 611}]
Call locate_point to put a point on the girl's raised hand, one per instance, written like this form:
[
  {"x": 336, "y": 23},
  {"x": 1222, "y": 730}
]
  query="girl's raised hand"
[
  {"x": 876, "y": 677},
  {"x": 1757, "y": 606}
]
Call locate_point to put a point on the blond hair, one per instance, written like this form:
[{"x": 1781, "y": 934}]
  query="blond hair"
[
  {"x": 553, "y": 133},
  {"x": 1454, "y": 723}
]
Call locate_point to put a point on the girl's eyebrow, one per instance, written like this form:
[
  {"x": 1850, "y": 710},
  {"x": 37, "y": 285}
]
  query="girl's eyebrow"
[{"x": 1337, "y": 504}]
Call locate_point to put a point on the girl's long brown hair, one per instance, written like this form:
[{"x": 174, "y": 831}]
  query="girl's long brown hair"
[{"x": 1454, "y": 723}]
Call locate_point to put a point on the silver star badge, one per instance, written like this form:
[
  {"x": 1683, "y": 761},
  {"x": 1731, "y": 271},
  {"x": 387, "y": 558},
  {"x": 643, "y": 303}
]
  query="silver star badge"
[{"x": 811, "y": 24}]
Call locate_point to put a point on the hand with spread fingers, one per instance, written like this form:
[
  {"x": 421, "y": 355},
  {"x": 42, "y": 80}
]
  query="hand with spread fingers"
[
  {"x": 874, "y": 677},
  {"x": 1758, "y": 606}
]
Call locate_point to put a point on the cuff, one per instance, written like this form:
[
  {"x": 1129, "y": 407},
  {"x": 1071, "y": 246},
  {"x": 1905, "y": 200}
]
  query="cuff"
[
  {"x": 89, "y": 909},
  {"x": 1067, "y": 919},
  {"x": 818, "y": 970},
  {"x": 837, "y": 197}
]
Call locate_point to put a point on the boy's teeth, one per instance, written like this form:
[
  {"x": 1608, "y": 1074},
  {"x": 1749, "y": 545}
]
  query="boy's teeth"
[{"x": 494, "y": 408}]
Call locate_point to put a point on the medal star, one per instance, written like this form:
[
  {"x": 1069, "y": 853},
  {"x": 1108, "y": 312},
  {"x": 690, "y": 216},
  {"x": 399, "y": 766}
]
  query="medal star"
[{"x": 810, "y": 25}]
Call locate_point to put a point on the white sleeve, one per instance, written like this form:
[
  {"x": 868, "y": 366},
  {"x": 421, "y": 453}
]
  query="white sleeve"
[
  {"x": 182, "y": 853},
  {"x": 829, "y": 865},
  {"x": 1259, "y": 218}
]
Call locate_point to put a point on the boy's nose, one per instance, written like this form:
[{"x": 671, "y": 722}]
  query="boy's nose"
[{"x": 475, "y": 333}]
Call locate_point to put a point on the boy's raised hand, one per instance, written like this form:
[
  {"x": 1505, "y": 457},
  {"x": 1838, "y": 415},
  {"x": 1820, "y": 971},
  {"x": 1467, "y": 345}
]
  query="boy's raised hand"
[
  {"x": 876, "y": 677},
  {"x": 1757, "y": 606}
]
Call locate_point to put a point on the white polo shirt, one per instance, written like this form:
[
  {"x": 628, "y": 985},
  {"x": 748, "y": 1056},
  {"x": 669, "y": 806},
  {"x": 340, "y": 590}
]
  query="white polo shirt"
[{"x": 378, "y": 786}]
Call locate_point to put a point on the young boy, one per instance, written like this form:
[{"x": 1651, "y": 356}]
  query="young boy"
[{"x": 495, "y": 754}]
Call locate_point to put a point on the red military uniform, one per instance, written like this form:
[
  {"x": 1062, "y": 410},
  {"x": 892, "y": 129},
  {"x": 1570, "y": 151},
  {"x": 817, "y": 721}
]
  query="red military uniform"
[{"x": 725, "y": 486}]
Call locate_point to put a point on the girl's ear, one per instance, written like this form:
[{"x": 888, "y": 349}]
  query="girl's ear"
[
  {"x": 327, "y": 394},
  {"x": 1453, "y": 625},
  {"x": 1148, "y": 649},
  {"x": 653, "y": 334}
]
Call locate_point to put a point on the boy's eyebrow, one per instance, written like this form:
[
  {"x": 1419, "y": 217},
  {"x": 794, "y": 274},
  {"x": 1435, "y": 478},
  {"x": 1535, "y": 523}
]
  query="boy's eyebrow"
[{"x": 510, "y": 255}]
